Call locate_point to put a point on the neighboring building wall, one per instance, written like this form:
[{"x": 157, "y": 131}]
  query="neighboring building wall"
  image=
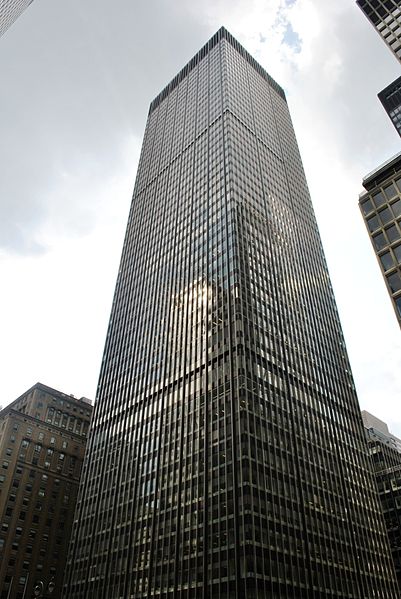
[
  {"x": 42, "y": 443},
  {"x": 10, "y": 10},
  {"x": 390, "y": 97},
  {"x": 227, "y": 456},
  {"x": 381, "y": 210},
  {"x": 385, "y": 16},
  {"x": 386, "y": 462}
]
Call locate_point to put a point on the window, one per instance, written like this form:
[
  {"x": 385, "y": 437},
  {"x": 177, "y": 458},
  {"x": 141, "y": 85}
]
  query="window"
[
  {"x": 5, "y": 464},
  {"x": 386, "y": 216},
  {"x": 378, "y": 199},
  {"x": 394, "y": 282},
  {"x": 393, "y": 233},
  {"x": 397, "y": 252},
  {"x": 398, "y": 305},
  {"x": 390, "y": 191},
  {"x": 373, "y": 223},
  {"x": 387, "y": 260},
  {"x": 367, "y": 206},
  {"x": 29, "y": 431},
  {"x": 396, "y": 208},
  {"x": 41, "y": 436}
]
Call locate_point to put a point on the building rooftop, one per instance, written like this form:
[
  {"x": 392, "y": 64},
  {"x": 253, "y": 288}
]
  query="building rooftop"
[
  {"x": 46, "y": 389},
  {"x": 222, "y": 33},
  {"x": 382, "y": 172}
]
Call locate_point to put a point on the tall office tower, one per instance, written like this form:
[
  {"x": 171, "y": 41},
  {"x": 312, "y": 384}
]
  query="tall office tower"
[
  {"x": 10, "y": 10},
  {"x": 42, "y": 443},
  {"x": 385, "y": 455},
  {"x": 390, "y": 97},
  {"x": 385, "y": 16},
  {"x": 381, "y": 209},
  {"x": 227, "y": 457}
]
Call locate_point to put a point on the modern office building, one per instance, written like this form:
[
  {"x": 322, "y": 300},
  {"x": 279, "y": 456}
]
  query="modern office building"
[
  {"x": 390, "y": 97},
  {"x": 385, "y": 16},
  {"x": 10, "y": 10},
  {"x": 42, "y": 442},
  {"x": 227, "y": 457},
  {"x": 380, "y": 205},
  {"x": 381, "y": 430},
  {"x": 385, "y": 455}
]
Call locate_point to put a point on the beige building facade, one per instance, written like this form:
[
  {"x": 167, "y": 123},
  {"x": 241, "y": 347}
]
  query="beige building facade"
[{"x": 42, "y": 443}]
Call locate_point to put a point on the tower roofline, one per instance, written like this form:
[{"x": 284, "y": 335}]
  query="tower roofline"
[{"x": 222, "y": 33}]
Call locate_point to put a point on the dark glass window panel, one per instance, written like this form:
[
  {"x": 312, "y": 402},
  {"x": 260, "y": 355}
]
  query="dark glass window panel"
[
  {"x": 390, "y": 191},
  {"x": 393, "y": 233},
  {"x": 397, "y": 252},
  {"x": 394, "y": 282},
  {"x": 386, "y": 216},
  {"x": 373, "y": 223},
  {"x": 387, "y": 260},
  {"x": 396, "y": 208},
  {"x": 380, "y": 241},
  {"x": 379, "y": 199},
  {"x": 398, "y": 181},
  {"x": 398, "y": 304},
  {"x": 367, "y": 206}
]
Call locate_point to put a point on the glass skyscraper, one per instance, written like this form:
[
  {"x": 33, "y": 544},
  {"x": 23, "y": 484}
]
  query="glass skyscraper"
[
  {"x": 390, "y": 97},
  {"x": 10, "y": 10},
  {"x": 227, "y": 456}
]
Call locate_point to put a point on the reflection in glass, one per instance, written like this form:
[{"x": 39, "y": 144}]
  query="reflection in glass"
[
  {"x": 387, "y": 260},
  {"x": 393, "y": 233},
  {"x": 398, "y": 304},
  {"x": 378, "y": 199},
  {"x": 397, "y": 252},
  {"x": 373, "y": 223},
  {"x": 367, "y": 206},
  {"x": 380, "y": 241},
  {"x": 396, "y": 208},
  {"x": 386, "y": 216},
  {"x": 394, "y": 281},
  {"x": 390, "y": 191}
]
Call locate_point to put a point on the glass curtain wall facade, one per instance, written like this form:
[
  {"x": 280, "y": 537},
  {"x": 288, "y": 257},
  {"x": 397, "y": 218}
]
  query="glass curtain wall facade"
[
  {"x": 227, "y": 456},
  {"x": 390, "y": 97},
  {"x": 10, "y": 10}
]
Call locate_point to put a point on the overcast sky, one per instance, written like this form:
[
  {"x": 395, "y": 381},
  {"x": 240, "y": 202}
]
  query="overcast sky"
[{"x": 77, "y": 78}]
